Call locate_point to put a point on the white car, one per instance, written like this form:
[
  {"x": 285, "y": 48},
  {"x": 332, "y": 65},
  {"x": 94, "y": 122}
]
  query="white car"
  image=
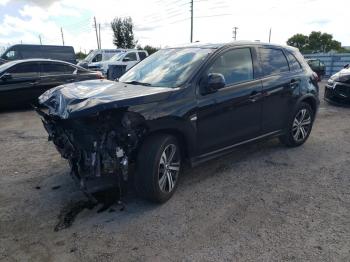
[
  {"x": 128, "y": 57},
  {"x": 99, "y": 55}
]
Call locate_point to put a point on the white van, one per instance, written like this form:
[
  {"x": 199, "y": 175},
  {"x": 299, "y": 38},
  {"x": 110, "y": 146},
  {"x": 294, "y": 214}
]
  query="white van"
[
  {"x": 128, "y": 57},
  {"x": 98, "y": 55}
]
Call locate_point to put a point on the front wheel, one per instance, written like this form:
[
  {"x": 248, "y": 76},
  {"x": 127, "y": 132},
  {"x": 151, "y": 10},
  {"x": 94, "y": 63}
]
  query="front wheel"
[
  {"x": 158, "y": 168},
  {"x": 299, "y": 127}
]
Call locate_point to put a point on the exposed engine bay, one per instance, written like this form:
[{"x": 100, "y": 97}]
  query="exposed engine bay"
[{"x": 98, "y": 148}]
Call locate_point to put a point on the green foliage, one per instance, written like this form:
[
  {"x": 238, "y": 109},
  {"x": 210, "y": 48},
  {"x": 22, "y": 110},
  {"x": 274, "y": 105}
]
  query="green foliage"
[
  {"x": 123, "y": 35},
  {"x": 80, "y": 55},
  {"x": 315, "y": 42},
  {"x": 148, "y": 48}
]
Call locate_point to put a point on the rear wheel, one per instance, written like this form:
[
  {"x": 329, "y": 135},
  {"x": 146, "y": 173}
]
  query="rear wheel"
[
  {"x": 158, "y": 168},
  {"x": 299, "y": 127}
]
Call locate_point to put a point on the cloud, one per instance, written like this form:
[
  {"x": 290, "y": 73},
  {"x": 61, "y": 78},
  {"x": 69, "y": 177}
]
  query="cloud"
[{"x": 166, "y": 22}]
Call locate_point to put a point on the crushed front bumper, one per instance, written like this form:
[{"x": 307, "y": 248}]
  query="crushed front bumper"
[{"x": 97, "y": 155}]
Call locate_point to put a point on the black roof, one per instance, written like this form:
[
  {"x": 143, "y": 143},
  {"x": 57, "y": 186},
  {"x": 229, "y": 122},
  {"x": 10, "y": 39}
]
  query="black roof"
[{"x": 233, "y": 43}]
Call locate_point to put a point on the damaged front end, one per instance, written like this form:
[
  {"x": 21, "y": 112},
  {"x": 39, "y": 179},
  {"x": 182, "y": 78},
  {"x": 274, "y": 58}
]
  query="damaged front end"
[{"x": 98, "y": 148}]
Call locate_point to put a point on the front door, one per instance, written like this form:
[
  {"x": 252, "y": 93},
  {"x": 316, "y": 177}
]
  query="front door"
[
  {"x": 20, "y": 87},
  {"x": 233, "y": 113}
]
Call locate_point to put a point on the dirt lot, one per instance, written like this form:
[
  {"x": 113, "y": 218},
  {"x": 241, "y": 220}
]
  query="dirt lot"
[{"x": 261, "y": 203}]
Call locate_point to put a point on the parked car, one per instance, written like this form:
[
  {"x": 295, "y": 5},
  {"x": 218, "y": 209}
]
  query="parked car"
[
  {"x": 98, "y": 55},
  {"x": 337, "y": 90},
  {"x": 17, "y": 52},
  {"x": 318, "y": 67},
  {"x": 190, "y": 103},
  {"x": 23, "y": 81},
  {"x": 127, "y": 58}
]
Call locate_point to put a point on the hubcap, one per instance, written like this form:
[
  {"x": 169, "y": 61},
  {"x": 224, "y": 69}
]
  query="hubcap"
[
  {"x": 301, "y": 125},
  {"x": 169, "y": 167}
]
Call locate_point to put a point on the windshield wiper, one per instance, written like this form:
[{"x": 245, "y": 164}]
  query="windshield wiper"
[{"x": 137, "y": 83}]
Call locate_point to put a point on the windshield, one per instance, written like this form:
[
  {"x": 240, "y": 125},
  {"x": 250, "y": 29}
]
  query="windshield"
[
  {"x": 167, "y": 67},
  {"x": 116, "y": 57},
  {"x": 90, "y": 56}
]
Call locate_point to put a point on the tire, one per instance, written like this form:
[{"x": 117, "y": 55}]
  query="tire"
[
  {"x": 157, "y": 175},
  {"x": 299, "y": 126}
]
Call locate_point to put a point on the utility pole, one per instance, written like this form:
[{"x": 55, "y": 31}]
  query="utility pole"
[
  {"x": 98, "y": 45},
  {"x": 62, "y": 36},
  {"x": 99, "y": 33},
  {"x": 40, "y": 40},
  {"x": 270, "y": 36},
  {"x": 235, "y": 33},
  {"x": 191, "y": 21}
]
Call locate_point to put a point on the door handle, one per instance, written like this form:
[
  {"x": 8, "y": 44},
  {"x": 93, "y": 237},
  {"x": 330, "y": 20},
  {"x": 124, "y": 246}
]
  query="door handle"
[
  {"x": 254, "y": 96},
  {"x": 293, "y": 83}
]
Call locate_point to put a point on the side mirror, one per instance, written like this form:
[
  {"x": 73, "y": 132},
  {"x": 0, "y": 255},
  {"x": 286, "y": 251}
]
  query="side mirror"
[
  {"x": 126, "y": 59},
  {"x": 215, "y": 82},
  {"x": 347, "y": 66},
  {"x": 6, "y": 76}
]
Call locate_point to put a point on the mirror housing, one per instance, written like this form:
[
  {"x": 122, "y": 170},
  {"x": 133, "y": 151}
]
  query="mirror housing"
[
  {"x": 6, "y": 77},
  {"x": 346, "y": 66},
  {"x": 126, "y": 59},
  {"x": 215, "y": 82}
]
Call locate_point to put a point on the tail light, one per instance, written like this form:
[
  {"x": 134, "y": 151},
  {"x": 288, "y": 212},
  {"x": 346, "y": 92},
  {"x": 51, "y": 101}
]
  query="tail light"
[{"x": 100, "y": 75}]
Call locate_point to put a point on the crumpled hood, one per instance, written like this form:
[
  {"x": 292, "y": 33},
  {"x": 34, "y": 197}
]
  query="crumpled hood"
[
  {"x": 92, "y": 96},
  {"x": 342, "y": 76}
]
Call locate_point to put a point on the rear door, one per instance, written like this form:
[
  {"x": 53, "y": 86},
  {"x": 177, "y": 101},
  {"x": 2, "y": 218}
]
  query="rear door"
[
  {"x": 233, "y": 113},
  {"x": 53, "y": 74},
  {"x": 21, "y": 88},
  {"x": 280, "y": 85}
]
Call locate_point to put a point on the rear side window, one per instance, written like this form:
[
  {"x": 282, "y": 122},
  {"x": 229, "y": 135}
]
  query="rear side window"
[
  {"x": 56, "y": 69},
  {"x": 273, "y": 61},
  {"x": 24, "y": 70},
  {"x": 235, "y": 65},
  {"x": 293, "y": 62},
  {"x": 142, "y": 55}
]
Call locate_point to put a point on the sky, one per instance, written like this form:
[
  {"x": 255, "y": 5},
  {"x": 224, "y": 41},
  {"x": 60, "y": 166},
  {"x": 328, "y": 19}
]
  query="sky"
[{"x": 164, "y": 23}]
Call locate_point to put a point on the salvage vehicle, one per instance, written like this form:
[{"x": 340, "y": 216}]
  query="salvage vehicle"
[
  {"x": 23, "y": 81},
  {"x": 184, "y": 104},
  {"x": 24, "y": 51},
  {"x": 337, "y": 90}
]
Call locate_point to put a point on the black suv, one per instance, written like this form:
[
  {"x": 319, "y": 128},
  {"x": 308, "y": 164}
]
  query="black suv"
[{"x": 189, "y": 103}]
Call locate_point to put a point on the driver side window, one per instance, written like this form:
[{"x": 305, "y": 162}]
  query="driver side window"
[
  {"x": 131, "y": 56},
  {"x": 235, "y": 65},
  {"x": 97, "y": 58}
]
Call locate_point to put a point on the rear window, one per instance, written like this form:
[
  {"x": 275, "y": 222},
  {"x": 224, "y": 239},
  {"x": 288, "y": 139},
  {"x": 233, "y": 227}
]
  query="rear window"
[
  {"x": 273, "y": 61},
  {"x": 56, "y": 69},
  {"x": 293, "y": 62},
  {"x": 142, "y": 55}
]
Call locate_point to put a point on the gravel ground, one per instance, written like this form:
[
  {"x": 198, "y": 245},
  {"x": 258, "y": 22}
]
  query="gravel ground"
[{"x": 263, "y": 202}]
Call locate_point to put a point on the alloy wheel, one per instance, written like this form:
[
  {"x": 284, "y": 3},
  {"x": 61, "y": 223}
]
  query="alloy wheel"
[
  {"x": 301, "y": 125},
  {"x": 169, "y": 167}
]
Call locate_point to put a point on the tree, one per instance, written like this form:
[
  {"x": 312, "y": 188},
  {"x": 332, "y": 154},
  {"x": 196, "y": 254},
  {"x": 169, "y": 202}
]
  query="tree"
[
  {"x": 150, "y": 49},
  {"x": 80, "y": 55},
  {"x": 299, "y": 41},
  {"x": 123, "y": 35},
  {"x": 315, "y": 42}
]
